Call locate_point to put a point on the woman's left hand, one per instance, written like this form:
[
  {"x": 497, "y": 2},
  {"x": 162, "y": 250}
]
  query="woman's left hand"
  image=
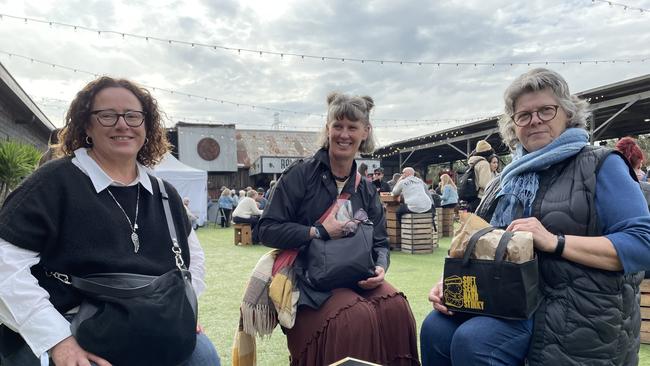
[
  {"x": 542, "y": 238},
  {"x": 199, "y": 328},
  {"x": 373, "y": 282}
]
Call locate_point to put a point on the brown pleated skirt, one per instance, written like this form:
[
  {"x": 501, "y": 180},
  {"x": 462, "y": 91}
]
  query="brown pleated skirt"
[{"x": 375, "y": 325}]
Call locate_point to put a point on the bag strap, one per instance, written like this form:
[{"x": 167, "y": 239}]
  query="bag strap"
[
  {"x": 81, "y": 284},
  {"x": 501, "y": 253},
  {"x": 472, "y": 243},
  {"x": 93, "y": 287},
  {"x": 342, "y": 196},
  {"x": 170, "y": 225}
]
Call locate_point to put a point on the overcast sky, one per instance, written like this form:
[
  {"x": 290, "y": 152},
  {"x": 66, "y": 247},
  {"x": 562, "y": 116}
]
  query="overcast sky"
[{"x": 468, "y": 31}]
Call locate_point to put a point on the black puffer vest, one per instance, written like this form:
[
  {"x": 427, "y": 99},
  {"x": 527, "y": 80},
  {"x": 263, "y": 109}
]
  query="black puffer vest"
[{"x": 588, "y": 316}]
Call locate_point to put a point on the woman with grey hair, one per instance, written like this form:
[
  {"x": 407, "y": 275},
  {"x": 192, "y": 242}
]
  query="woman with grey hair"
[
  {"x": 591, "y": 232},
  {"x": 370, "y": 320}
]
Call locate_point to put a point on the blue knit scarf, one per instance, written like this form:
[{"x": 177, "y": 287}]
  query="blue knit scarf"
[{"x": 520, "y": 181}]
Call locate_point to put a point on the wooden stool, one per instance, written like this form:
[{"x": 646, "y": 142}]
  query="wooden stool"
[
  {"x": 645, "y": 311},
  {"x": 243, "y": 234},
  {"x": 417, "y": 233},
  {"x": 447, "y": 222}
]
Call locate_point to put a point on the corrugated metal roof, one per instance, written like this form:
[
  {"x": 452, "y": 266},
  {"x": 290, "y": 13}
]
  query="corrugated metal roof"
[{"x": 251, "y": 144}]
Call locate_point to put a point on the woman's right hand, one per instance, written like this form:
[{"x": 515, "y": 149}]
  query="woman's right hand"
[
  {"x": 69, "y": 353},
  {"x": 436, "y": 296},
  {"x": 333, "y": 226}
]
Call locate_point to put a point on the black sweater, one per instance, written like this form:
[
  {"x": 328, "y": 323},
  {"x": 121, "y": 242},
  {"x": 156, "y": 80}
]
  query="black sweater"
[{"x": 57, "y": 213}]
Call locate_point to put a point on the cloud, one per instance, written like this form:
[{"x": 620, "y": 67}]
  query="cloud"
[{"x": 495, "y": 31}]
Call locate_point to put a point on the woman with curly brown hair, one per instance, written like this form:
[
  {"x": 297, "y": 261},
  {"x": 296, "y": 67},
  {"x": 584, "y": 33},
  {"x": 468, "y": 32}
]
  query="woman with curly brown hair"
[{"x": 93, "y": 210}]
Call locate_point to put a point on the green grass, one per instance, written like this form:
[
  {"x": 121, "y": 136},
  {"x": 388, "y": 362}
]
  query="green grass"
[{"x": 228, "y": 268}]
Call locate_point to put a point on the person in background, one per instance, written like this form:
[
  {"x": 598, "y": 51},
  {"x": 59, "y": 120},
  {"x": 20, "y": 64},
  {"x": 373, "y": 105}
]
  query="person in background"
[
  {"x": 226, "y": 205},
  {"x": 190, "y": 215},
  {"x": 371, "y": 321},
  {"x": 482, "y": 171},
  {"x": 95, "y": 209},
  {"x": 591, "y": 233},
  {"x": 235, "y": 197},
  {"x": 415, "y": 194},
  {"x": 378, "y": 181},
  {"x": 247, "y": 212},
  {"x": 51, "y": 147},
  {"x": 242, "y": 194},
  {"x": 363, "y": 170},
  {"x": 449, "y": 198},
  {"x": 633, "y": 153},
  {"x": 261, "y": 201},
  {"x": 494, "y": 165},
  {"x": 392, "y": 182},
  {"x": 267, "y": 194}
]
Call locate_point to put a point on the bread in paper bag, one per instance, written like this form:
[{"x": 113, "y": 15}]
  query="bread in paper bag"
[{"x": 519, "y": 249}]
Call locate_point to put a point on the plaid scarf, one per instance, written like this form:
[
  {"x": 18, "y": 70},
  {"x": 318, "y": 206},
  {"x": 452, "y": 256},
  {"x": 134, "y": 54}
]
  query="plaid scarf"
[{"x": 271, "y": 296}]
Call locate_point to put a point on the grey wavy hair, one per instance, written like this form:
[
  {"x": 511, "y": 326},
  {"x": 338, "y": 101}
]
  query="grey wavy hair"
[
  {"x": 536, "y": 80},
  {"x": 354, "y": 108}
]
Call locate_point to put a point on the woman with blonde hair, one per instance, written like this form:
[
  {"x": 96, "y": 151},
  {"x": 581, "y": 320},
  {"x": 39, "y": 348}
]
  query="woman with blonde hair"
[
  {"x": 226, "y": 204},
  {"x": 370, "y": 319},
  {"x": 449, "y": 192}
]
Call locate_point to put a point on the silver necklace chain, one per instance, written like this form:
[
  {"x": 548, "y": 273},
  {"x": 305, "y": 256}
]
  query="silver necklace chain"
[{"x": 133, "y": 225}]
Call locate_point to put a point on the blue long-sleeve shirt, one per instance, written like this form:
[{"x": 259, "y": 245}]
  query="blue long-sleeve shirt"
[
  {"x": 623, "y": 214},
  {"x": 449, "y": 195}
]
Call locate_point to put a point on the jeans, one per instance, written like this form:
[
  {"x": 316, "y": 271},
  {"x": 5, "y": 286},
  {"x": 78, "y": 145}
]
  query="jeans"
[
  {"x": 205, "y": 354},
  {"x": 464, "y": 339}
]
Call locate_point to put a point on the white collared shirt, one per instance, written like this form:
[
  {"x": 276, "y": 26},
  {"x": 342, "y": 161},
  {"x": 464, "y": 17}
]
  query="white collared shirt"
[{"x": 25, "y": 306}]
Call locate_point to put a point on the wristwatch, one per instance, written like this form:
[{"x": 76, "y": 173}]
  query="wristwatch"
[{"x": 318, "y": 234}]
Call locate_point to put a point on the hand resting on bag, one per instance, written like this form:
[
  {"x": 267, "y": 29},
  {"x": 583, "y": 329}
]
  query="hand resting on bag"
[
  {"x": 333, "y": 226},
  {"x": 69, "y": 353},
  {"x": 436, "y": 297},
  {"x": 373, "y": 282}
]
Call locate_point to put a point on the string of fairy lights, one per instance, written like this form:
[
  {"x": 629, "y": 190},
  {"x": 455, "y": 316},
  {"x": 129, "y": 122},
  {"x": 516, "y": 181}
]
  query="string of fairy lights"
[
  {"x": 403, "y": 122},
  {"x": 623, "y": 6},
  {"x": 306, "y": 56}
]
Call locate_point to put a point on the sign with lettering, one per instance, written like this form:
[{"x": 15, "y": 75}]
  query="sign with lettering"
[{"x": 271, "y": 164}]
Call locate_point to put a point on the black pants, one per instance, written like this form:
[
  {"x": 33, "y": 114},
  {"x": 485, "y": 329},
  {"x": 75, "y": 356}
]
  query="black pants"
[
  {"x": 253, "y": 221},
  {"x": 403, "y": 209},
  {"x": 225, "y": 216}
]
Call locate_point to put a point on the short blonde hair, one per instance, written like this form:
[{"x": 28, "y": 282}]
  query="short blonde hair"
[{"x": 354, "y": 108}]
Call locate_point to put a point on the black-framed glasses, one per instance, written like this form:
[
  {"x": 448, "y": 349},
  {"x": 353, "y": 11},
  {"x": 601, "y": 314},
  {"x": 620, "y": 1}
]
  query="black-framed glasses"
[
  {"x": 109, "y": 118},
  {"x": 544, "y": 113}
]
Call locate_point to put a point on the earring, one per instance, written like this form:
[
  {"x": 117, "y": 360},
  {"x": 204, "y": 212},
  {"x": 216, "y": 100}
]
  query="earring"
[
  {"x": 89, "y": 140},
  {"x": 146, "y": 140}
]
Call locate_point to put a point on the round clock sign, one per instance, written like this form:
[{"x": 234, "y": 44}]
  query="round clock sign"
[{"x": 208, "y": 149}]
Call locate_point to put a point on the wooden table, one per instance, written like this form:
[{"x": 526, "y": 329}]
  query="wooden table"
[{"x": 391, "y": 203}]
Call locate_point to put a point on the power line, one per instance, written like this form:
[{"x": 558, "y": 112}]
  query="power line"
[
  {"x": 303, "y": 56},
  {"x": 403, "y": 122}
]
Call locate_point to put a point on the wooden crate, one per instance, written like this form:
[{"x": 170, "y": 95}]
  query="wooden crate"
[
  {"x": 417, "y": 233},
  {"x": 243, "y": 234},
  {"x": 645, "y": 311}
]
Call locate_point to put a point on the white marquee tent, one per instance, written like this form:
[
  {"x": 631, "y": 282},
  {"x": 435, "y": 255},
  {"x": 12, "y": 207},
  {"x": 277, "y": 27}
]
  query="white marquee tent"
[{"x": 188, "y": 181}]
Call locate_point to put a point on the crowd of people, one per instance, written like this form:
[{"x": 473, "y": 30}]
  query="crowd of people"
[{"x": 95, "y": 209}]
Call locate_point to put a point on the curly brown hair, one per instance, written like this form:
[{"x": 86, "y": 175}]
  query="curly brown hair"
[{"x": 77, "y": 119}]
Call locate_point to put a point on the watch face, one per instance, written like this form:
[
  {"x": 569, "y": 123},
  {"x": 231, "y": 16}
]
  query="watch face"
[{"x": 208, "y": 149}]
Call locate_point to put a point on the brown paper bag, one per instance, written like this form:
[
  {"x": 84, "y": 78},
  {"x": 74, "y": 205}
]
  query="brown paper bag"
[{"x": 519, "y": 250}]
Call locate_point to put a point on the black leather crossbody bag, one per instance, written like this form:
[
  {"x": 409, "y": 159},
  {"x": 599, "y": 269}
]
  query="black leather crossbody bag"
[{"x": 135, "y": 319}]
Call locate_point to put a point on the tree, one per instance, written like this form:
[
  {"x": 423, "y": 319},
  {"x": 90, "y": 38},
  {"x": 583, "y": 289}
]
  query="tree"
[{"x": 17, "y": 161}]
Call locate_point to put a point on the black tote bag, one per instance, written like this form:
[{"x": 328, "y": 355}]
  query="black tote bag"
[{"x": 491, "y": 287}]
